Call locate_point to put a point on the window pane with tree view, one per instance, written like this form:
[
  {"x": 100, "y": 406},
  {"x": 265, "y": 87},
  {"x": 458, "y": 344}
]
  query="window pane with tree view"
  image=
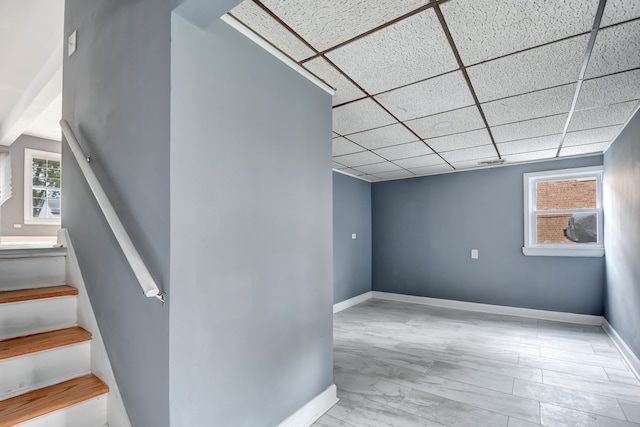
[{"x": 46, "y": 194}]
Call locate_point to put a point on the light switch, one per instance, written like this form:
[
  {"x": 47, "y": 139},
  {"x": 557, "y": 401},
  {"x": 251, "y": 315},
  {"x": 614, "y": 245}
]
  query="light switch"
[
  {"x": 353, "y": 236},
  {"x": 474, "y": 254}
]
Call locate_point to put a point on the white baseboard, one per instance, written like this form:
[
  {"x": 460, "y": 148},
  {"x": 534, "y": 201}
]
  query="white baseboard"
[
  {"x": 582, "y": 319},
  {"x": 343, "y": 305},
  {"x": 629, "y": 356},
  {"x": 313, "y": 409}
]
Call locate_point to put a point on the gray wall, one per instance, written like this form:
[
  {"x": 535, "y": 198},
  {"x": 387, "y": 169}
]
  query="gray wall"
[
  {"x": 251, "y": 233},
  {"x": 622, "y": 234},
  {"x": 13, "y": 209},
  {"x": 116, "y": 98},
  {"x": 425, "y": 228},
  {"x": 351, "y": 258}
]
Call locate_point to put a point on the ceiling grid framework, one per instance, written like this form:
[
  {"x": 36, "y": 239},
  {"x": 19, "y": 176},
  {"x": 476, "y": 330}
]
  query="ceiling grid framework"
[{"x": 426, "y": 87}]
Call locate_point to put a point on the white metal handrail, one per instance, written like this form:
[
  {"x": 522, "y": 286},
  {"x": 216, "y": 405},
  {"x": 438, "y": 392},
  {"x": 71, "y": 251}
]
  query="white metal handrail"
[{"x": 140, "y": 270}]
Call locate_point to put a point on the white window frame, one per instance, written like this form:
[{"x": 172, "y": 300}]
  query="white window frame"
[
  {"x": 29, "y": 155},
  {"x": 560, "y": 249}
]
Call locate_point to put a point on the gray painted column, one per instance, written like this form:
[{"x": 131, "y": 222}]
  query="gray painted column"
[{"x": 251, "y": 233}]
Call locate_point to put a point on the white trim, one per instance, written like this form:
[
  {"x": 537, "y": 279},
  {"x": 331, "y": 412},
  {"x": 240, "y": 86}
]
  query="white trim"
[
  {"x": 312, "y": 410},
  {"x": 248, "y": 32},
  {"x": 100, "y": 364},
  {"x": 570, "y": 172},
  {"x": 628, "y": 355},
  {"x": 581, "y": 319},
  {"x": 572, "y": 251},
  {"x": 343, "y": 305},
  {"x": 29, "y": 155},
  {"x": 27, "y": 239}
]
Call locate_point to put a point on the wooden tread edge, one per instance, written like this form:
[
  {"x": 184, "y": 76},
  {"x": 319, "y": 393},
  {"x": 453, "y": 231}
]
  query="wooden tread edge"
[
  {"x": 13, "y": 347},
  {"x": 36, "y": 293},
  {"x": 40, "y": 402}
]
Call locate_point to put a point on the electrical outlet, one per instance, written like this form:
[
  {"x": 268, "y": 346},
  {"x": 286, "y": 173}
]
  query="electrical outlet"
[
  {"x": 474, "y": 254},
  {"x": 353, "y": 236}
]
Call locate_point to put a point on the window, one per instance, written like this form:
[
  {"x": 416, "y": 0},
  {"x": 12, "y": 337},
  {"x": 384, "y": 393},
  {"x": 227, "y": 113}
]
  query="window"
[
  {"x": 563, "y": 213},
  {"x": 42, "y": 190}
]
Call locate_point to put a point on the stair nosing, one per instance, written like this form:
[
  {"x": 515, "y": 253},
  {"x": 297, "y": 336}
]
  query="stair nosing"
[
  {"x": 31, "y": 294},
  {"x": 74, "y": 335},
  {"x": 22, "y": 406}
]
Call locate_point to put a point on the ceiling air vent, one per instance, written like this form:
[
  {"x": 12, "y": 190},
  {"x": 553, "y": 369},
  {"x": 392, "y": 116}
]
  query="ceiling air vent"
[{"x": 491, "y": 162}]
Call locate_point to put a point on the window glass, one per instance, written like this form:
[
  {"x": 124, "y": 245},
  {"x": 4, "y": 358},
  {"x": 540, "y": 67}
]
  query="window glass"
[
  {"x": 43, "y": 196},
  {"x": 563, "y": 212}
]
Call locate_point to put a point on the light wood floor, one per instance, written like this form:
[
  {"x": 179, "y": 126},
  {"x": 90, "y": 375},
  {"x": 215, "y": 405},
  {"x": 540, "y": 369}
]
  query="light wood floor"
[{"x": 399, "y": 364}]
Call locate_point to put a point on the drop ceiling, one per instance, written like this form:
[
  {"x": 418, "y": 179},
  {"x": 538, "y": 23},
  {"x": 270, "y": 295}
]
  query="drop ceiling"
[{"x": 426, "y": 87}]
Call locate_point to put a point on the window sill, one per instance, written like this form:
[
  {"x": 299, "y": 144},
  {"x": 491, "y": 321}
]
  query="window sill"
[
  {"x": 570, "y": 252},
  {"x": 42, "y": 221}
]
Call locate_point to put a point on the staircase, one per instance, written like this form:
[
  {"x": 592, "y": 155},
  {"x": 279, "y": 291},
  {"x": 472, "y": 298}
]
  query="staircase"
[{"x": 45, "y": 358}]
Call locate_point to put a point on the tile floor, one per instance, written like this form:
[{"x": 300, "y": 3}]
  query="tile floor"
[{"x": 399, "y": 364}]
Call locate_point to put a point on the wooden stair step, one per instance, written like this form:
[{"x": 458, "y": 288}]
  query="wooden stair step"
[
  {"x": 39, "y": 402},
  {"x": 19, "y": 346},
  {"x": 36, "y": 293}
]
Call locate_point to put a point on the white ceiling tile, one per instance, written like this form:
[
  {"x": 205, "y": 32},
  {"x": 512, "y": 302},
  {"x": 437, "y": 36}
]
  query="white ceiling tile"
[
  {"x": 460, "y": 140},
  {"x": 419, "y": 162},
  {"x": 403, "y": 151},
  {"x": 619, "y": 11},
  {"x": 358, "y": 159},
  {"x": 342, "y": 146},
  {"x": 603, "y": 116},
  {"x": 370, "y": 178},
  {"x": 530, "y": 144},
  {"x": 482, "y": 152},
  {"x": 260, "y": 22},
  {"x": 551, "y": 65},
  {"x": 529, "y": 128},
  {"x": 462, "y": 120},
  {"x": 609, "y": 90},
  {"x": 543, "y": 103},
  {"x": 429, "y": 170},
  {"x": 591, "y": 136},
  {"x": 377, "y": 168},
  {"x": 484, "y": 29},
  {"x": 583, "y": 149},
  {"x": 345, "y": 90},
  {"x": 337, "y": 165},
  {"x": 358, "y": 116},
  {"x": 350, "y": 171},
  {"x": 534, "y": 155},
  {"x": 531, "y": 156},
  {"x": 413, "y": 49},
  {"x": 383, "y": 137},
  {"x": 616, "y": 49},
  {"x": 327, "y": 23},
  {"x": 335, "y": 135},
  {"x": 395, "y": 175},
  {"x": 432, "y": 96}
]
